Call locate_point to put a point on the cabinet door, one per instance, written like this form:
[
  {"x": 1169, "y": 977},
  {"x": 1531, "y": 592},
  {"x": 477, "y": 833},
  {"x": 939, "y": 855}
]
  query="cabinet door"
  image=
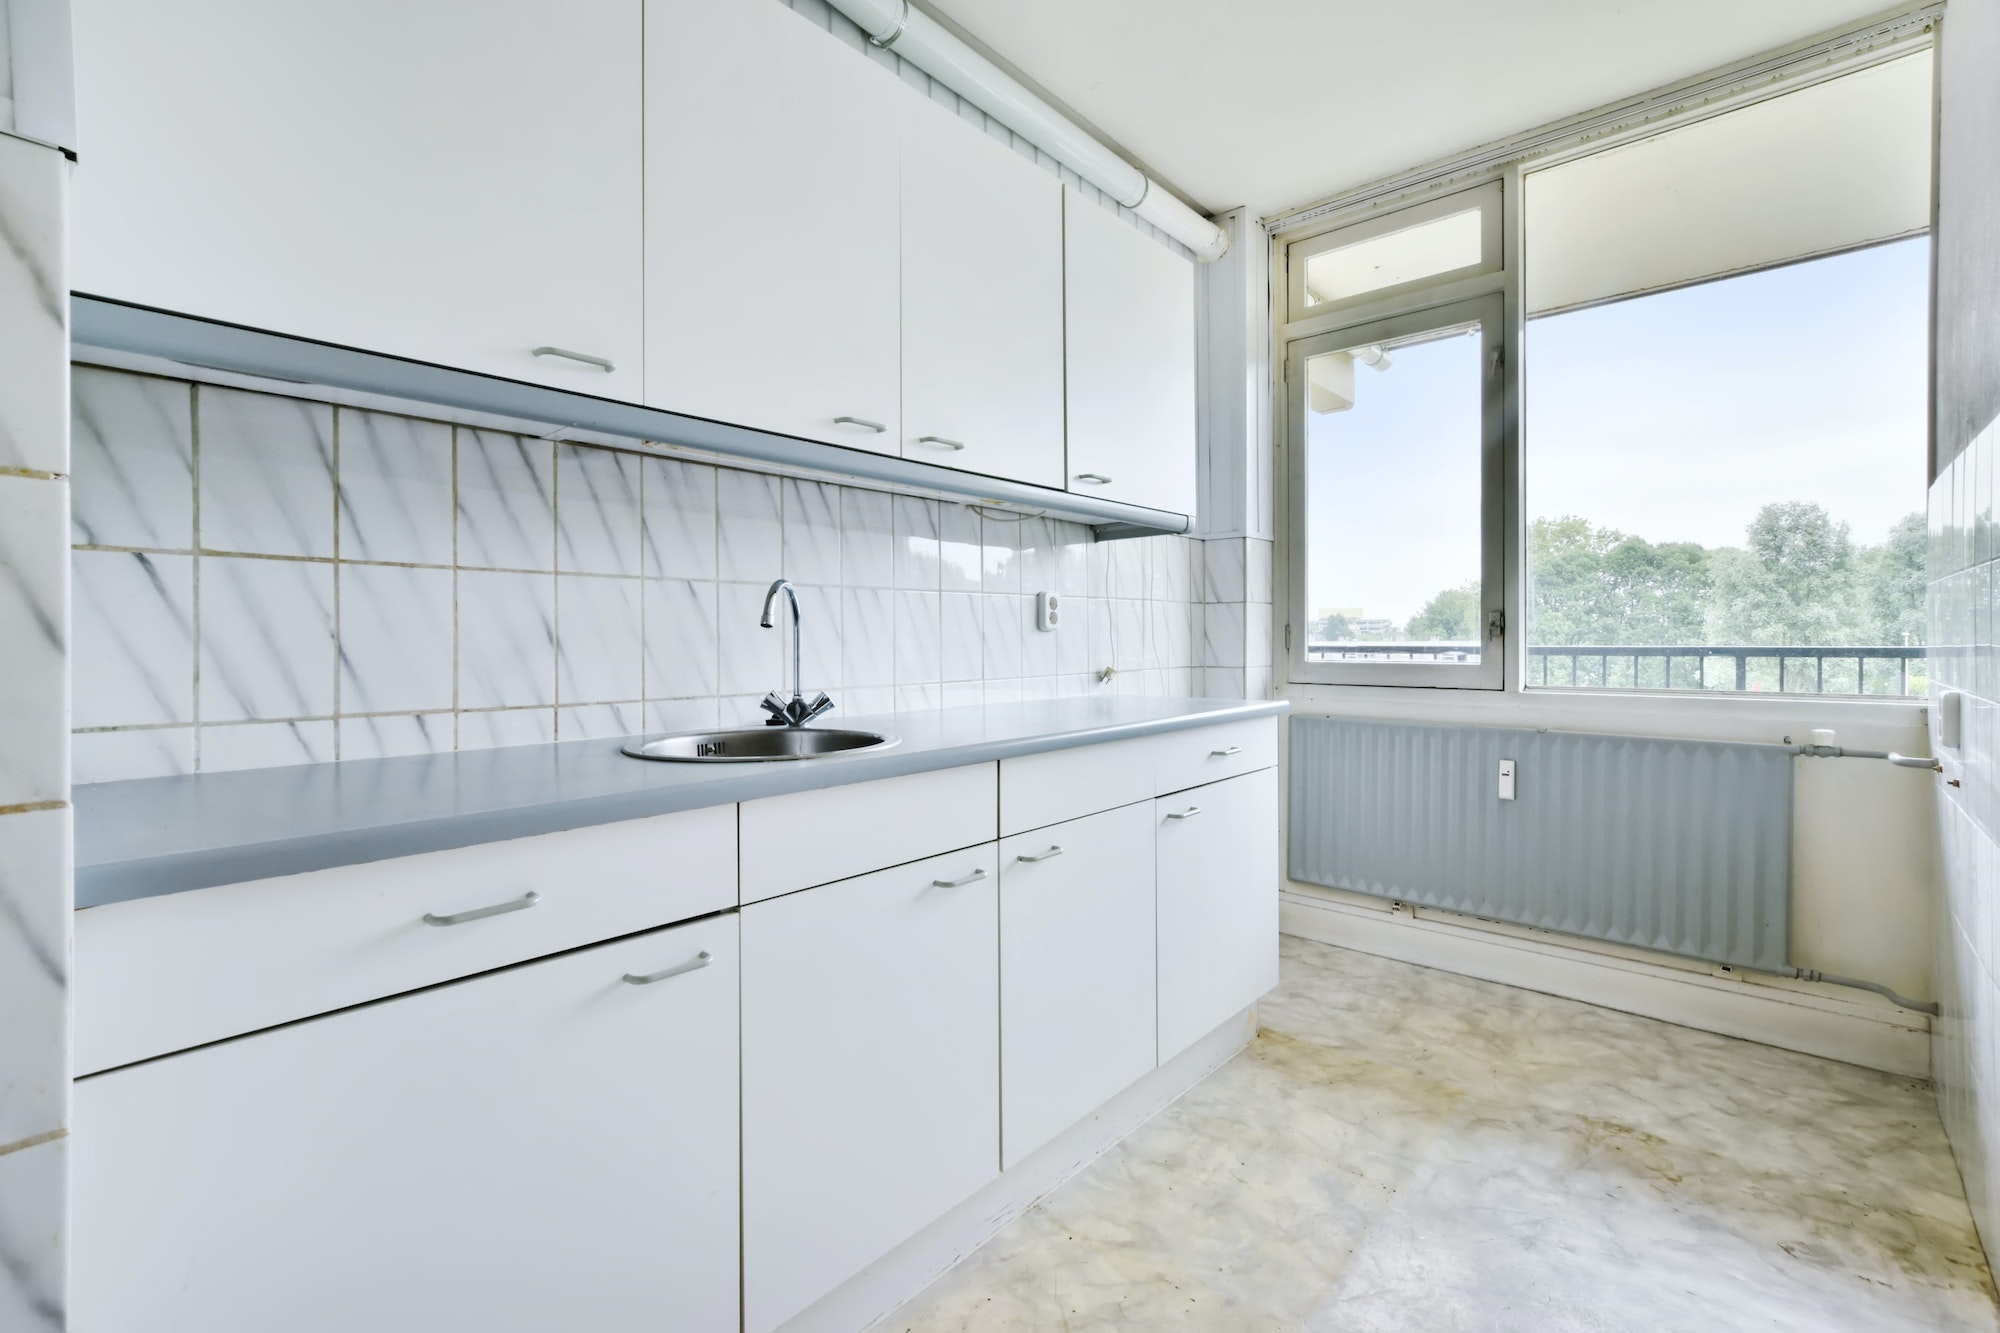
[
  {"x": 539, "y": 1148},
  {"x": 1076, "y": 972},
  {"x": 871, "y": 1070},
  {"x": 1129, "y": 316},
  {"x": 1218, "y": 904},
  {"x": 982, "y": 302},
  {"x": 456, "y": 181},
  {"x": 771, "y": 216}
]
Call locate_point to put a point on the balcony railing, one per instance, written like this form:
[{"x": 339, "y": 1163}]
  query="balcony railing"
[{"x": 1876, "y": 670}]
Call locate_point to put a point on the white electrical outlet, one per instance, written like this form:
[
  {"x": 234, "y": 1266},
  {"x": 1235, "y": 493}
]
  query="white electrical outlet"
[
  {"x": 1048, "y": 611},
  {"x": 1506, "y": 779}
]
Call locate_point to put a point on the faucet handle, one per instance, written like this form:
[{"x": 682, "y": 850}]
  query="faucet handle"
[
  {"x": 816, "y": 707},
  {"x": 781, "y": 714}
]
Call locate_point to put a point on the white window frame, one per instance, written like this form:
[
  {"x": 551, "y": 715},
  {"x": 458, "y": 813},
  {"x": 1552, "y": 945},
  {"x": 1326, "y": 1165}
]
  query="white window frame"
[
  {"x": 1487, "y": 314},
  {"x": 1501, "y": 167}
]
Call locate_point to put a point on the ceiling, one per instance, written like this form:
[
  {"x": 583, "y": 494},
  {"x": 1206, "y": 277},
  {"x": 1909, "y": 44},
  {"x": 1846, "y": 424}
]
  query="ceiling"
[{"x": 1278, "y": 103}]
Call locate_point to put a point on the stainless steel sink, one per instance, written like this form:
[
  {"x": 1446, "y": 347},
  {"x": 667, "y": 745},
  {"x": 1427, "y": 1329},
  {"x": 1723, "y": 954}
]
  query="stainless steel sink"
[{"x": 753, "y": 745}]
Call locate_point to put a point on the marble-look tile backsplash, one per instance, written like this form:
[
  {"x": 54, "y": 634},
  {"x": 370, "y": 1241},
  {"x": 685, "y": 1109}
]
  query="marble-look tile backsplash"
[{"x": 262, "y": 580}]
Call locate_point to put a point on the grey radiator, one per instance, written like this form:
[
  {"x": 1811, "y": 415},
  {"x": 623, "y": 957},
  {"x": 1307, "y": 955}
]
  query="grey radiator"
[{"x": 1684, "y": 846}]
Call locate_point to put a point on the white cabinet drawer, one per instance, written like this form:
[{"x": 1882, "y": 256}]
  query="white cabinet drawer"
[
  {"x": 1183, "y": 759},
  {"x": 871, "y": 1071},
  {"x": 1047, "y": 788},
  {"x": 541, "y": 1148},
  {"x": 163, "y": 974},
  {"x": 815, "y": 837}
]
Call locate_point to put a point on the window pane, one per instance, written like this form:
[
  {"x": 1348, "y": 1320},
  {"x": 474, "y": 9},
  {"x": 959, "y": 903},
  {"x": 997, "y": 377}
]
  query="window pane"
[
  {"x": 1725, "y": 483},
  {"x": 1420, "y": 251},
  {"x": 1393, "y": 504}
]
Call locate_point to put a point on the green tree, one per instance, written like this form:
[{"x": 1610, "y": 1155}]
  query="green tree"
[
  {"x": 1892, "y": 576},
  {"x": 1598, "y": 585},
  {"x": 1793, "y": 582},
  {"x": 1450, "y": 616}
]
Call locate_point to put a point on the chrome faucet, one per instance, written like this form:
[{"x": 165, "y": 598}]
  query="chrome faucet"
[{"x": 797, "y": 712}]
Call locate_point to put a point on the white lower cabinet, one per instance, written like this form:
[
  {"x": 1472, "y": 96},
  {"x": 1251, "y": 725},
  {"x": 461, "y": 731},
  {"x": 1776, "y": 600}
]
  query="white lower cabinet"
[
  {"x": 543, "y": 1147},
  {"x": 1076, "y": 972},
  {"x": 871, "y": 1070},
  {"x": 1218, "y": 903}
]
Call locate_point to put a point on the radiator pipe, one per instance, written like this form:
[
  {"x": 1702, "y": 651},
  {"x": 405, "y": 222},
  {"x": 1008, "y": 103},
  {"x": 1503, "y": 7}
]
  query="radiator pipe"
[
  {"x": 1839, "y": 752},
  {"x": 1808, "y": 974}
]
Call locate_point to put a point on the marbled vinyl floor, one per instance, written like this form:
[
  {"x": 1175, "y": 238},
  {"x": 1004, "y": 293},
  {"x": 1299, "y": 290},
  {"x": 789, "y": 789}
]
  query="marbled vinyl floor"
[{"x": 1407, "y": 1149}]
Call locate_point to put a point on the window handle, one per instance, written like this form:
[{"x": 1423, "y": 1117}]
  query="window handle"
[
  {"x": 694, "y": 964},
  {"x": 1093, "y": 478},
  {"x": 522, "y": 903},
  {"x": 1188, "y": 813},
  {"x": 1050, "y": 855},
  {"x": 606, "y": 366},
  {"x": 960, "y": 882},
  {"x": 941, "y": 442},
  {"x": 862, "y": 422}
]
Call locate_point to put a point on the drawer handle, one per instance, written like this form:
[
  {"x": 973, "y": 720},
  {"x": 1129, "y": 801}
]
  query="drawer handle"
[
  {"x": 606, "y": 366},
  {"x": 1224, "y": 754},
  {"x": 694, "y": 964},
  {"x": 862, "y": 422},
  {"x": 941, "y": 442},
  {"x": 520, "y": 904},
  {"x": 1050, "y": 855},
  {"x": 1093, "y": 478},
  {"x": 960, "y": 882},
  {"x": 1188, "y": 813}
]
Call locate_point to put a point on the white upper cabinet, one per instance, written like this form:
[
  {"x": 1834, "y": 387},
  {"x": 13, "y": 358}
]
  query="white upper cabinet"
[
  {"x": 982, "y": 302},
  {"x": 1129, "y": 318},
  {"x": 456, "y": 181},
  {"x": 771, "y": 224}
]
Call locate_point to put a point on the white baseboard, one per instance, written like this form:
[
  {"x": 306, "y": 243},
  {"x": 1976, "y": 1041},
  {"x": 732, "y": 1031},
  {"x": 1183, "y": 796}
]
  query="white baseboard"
[
  {"x": 1836, "y": 1022},
  {"x": 885, "y": 1286}
]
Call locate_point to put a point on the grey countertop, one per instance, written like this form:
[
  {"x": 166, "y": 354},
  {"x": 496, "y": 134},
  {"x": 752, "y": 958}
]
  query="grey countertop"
[{"x": 154, "y": 836}]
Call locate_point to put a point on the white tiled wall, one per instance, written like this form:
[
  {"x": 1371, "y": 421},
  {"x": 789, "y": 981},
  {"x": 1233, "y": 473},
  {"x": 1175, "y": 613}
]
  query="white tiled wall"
[
  {"x": 1965, "y": 580},
  {"x": 1234, "y": 643},
  {"x": 34, "y": 710},
  {"x": 262, "y": 580}
]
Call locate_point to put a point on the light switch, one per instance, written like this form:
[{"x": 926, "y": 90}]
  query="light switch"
[{"x": 1506, "y": 779}]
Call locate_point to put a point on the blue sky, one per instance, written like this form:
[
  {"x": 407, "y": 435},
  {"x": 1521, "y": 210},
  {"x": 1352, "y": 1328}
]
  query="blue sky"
[{"x": 1674, "y": 416}]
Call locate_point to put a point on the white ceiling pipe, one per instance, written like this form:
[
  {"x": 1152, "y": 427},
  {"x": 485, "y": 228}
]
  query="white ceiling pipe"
[{"x": 925, "y": 43}]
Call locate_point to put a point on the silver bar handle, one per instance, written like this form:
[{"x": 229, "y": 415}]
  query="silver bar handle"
[
  {"x": 694, "y": 964},
  {"x": 606, "y": 366},
  {"x": 1188, "y": 813},
  {"x": 1050, "y": 855},
  {"x": 1093, "y": 478},
  {"x": 941, "y": 442},
  {"x": 960, "y": 882},
  {"x": 1916, "y": 761},
  {"x": 862, "y": 422},
  {"x": 520, "y": 904},
  {"x": 1224, "y": 754}
]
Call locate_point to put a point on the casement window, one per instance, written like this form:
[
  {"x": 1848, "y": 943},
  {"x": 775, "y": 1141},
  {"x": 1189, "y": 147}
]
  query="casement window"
[{"x": 1395, "y": 415}]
